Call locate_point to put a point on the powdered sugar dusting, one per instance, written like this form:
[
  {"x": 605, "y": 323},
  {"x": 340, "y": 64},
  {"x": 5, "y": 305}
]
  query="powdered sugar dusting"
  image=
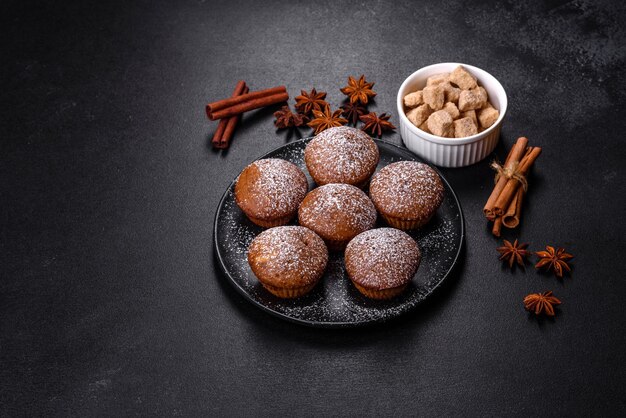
[
  {"x": 334, "y": 208},
  {"x": 241, "y": 231},
  {"x": 407, "y": 189},
  {"x": 335, "y": 300},
  {"x": 382, "y": 258},
  {"x": 287, "y": 253},
  {"x": 341, "y": 154},
  {"x": 273, "y": 188}
]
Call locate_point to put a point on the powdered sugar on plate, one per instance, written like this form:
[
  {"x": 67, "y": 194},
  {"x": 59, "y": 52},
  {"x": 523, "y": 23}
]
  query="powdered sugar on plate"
[{"x": 334, "y": 302}]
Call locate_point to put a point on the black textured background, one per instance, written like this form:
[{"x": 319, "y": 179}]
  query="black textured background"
[{"x": 110, "y": 299}]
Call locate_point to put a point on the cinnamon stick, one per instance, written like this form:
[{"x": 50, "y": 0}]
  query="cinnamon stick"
[
  {"x": 235, "y": 105},
  {"x": 504, "y": 200},
  {"x": 512, "y": 216},
  {"x": 221, "y": 127},
  {"x": 515, "y": 155},
  {"x": 251, "y": 105},
  {"x": 224, "y": 141},
  {"x": 219, "y": 131},
  {"x": 497, "y": 226},
  {"x": 221, "y": 104}
]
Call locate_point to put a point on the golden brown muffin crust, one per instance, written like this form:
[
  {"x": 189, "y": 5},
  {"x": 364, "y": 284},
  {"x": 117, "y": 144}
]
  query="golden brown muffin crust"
[
  {"x": 288, "y": 257},
  {"x": 382, "y": 258},
  {"x": 407, "y": 190},
  {"x": 341, "y": 155},
  {"x": 270, "y": 188},
  {"x": 337, "y": 211}
]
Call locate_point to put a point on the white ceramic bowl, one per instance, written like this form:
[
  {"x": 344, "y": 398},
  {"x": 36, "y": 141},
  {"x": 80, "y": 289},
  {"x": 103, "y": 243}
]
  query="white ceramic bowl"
[{"x": 451, "y": 152}]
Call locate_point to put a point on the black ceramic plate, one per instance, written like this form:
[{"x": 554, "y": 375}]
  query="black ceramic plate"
[{"x": 335, "y": 302}]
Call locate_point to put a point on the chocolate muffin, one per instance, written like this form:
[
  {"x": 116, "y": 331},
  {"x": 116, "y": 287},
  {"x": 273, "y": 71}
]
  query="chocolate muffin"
[
  {"x": 381, "y": 262},
  {"x": 337, "y": 213},
  {"x": 288, "y": 260},
  {"x": 341, "y": 155},
  {"x": 406, "y": 194},
  {"x": 269, "y": 191}
]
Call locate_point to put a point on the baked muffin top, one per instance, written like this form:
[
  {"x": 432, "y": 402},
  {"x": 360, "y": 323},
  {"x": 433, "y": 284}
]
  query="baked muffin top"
[
  {"x": 341, "y": 155},
  {"x": 382, "y": 258},
  {"x": 270, "y": 188},
  {"x": 337, "y": 211},
  {"x": 288, "y": 256},
  {"x": 407, "y": 190}
]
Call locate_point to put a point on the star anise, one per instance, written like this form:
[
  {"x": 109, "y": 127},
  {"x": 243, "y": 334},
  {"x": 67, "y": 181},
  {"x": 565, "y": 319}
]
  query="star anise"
[
  {"x": 554, "y": 260},
  {"x": 376, "y": 124},
  {"x": 358, "y": 91},
  {"x": 352, "y": 111},
  {"x": 541, "y": 303},
  {"x": 307, "y": 102},
  {"x": 326, "y": 119},
  {"x": 513, "y": 253},
  {"x": 285, "y": 118}
]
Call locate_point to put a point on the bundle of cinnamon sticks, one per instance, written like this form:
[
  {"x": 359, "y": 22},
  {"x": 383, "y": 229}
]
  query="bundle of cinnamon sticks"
[
  {"x": 504, "y": 206},
  {"x": 228, "y": 111}
]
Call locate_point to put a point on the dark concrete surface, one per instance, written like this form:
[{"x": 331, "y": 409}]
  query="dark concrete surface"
[{"x": 111, "y": 302}]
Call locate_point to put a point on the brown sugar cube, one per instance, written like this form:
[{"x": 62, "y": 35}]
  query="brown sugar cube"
[
  {"x": 464, "y": 127},
  {"x": 482, "y": 95},
  {"x": 470, "y": 100},
  {"x": 424, "y": 127},
  {"x": 418, "y": 115},
  {"x": 413, "y": 99},
  {"x": 440, "y": 123},
  {"x": 452, "y": 110},
  {"x": 462, "y": 78},
  {"x": 488, "y": 116},
  {"x": 437, "y": 79},
  {"x": 434, "y": 96},
  {"x": 451, "y": 93},
  {"x": 470, "y": 114}
]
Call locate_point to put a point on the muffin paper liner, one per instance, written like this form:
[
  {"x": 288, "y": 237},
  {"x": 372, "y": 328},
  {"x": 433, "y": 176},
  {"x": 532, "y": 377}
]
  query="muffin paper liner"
[
  {"x": 272, "y": 222},
  {"x": 289, "y": 293},
  {"x": 380, "y": 294},
  {"x": 336, "y": 245},
  {"x": 402, "y": 223}
]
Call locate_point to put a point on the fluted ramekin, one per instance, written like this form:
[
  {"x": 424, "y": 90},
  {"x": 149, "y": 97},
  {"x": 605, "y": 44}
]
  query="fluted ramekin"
[{"x": 451, "y": 152}]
